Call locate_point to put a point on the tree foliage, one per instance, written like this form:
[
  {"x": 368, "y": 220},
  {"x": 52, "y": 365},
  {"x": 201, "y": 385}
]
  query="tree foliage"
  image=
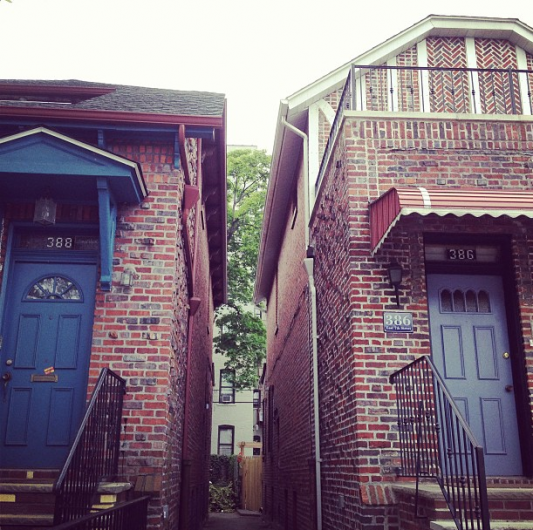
[{"x": 242, "y": 333}]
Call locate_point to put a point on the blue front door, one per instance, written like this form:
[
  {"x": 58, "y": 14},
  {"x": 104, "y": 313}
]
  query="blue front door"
[
  {"x": 470, "y": 347},
  {"x": 45, "y": 353}
]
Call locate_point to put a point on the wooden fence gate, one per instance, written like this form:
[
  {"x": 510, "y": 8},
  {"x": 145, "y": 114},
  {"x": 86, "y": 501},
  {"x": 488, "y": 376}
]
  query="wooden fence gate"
[{"x": 252, "y": 477}]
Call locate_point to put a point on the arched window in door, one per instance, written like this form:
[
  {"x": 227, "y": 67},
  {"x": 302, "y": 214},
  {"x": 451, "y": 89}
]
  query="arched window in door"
[
  {"x": 469, "y": 301},
  {"x": 54, "y": 288}
]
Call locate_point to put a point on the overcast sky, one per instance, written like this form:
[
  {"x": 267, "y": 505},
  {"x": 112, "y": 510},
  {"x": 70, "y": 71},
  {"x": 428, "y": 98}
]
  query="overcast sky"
[{"x": 255, "y": 52}]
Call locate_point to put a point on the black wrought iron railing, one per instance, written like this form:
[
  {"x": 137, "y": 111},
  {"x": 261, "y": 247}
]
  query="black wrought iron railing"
[
  {"x": 94, "y": 455},
  {"x": 436, "y": 442},
  {"x": 131, "y": 515},
  {"x": 433, "y": 90}
]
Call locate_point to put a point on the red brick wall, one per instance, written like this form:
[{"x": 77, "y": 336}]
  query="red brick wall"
[
  {"x": 200, "y": 387},
  {"x": 356, "y": 357},
  {"x": 288, "y": 440}
]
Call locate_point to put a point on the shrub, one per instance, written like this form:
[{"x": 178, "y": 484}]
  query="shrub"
[{"x": 222, "y": 498}]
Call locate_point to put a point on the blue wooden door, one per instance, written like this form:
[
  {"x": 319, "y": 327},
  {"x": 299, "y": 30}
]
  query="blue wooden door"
[
  {"x": 46, "y": 348},
  {"x": 470, "y": 348}
]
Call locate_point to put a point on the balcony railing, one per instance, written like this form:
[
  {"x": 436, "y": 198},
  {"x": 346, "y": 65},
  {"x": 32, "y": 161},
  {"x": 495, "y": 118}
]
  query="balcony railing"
[
  {"x": 434, "y": 90},
  {"x": 436, "y": 442}
]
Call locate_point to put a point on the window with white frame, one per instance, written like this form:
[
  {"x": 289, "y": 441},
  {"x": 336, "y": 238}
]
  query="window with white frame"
[
  {"x": 225, "y": 439},
  {"x": 227, "y": 387}
]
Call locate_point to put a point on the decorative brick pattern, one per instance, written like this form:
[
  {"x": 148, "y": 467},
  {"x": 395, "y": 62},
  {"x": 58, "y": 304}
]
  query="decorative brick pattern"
[
  {"x": 448, "y": 53},
  {"x": 496, "y": 54},
  {"x": 377, "y": 90},
  {"x": 408, "y": 82}
]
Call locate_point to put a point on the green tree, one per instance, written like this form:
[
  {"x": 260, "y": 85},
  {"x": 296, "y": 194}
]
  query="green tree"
[{"x": 242, "y": 334}]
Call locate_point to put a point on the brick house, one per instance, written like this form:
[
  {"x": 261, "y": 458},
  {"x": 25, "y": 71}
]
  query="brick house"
[
  {"x": 113, "y": 258},
  {"x": 396, "y": 260}
]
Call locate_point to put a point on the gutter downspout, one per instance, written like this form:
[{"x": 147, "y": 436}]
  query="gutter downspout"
[{"x": 308, "y": 264}]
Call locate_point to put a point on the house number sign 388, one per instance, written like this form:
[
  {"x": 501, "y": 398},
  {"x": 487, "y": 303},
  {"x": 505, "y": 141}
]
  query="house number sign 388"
[{"x": 397, "y": 322}]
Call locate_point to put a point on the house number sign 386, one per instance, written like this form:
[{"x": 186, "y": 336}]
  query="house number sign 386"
[
  {"x": 461, "y": 254},
  {"x": 397, "y": 322}
]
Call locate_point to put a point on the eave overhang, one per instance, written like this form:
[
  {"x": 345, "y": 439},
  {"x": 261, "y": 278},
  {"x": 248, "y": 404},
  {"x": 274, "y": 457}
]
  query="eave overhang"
[
  {"x": 104, "y": 116},
  {"x": 284, "y": 164}
]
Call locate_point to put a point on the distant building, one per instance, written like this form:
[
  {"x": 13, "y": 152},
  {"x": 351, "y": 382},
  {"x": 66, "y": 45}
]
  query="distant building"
[{"x": 237, "y": 414}]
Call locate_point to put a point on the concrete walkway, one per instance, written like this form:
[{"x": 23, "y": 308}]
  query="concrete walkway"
[{"x": 236, "y": 521}]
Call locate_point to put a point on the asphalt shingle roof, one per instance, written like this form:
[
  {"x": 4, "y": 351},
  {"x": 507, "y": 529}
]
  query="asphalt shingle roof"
[{"x": 120, "y": 98}]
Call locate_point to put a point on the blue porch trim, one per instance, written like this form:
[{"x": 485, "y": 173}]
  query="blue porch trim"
[
  {"x": 43, "y": 161},
  {"x": 107, "y": 211}
]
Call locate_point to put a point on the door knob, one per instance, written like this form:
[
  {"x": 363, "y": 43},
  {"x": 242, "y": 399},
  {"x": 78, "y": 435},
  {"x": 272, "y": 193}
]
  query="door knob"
[
  {"x": 509, "y": 388},
  {"x": 6, "y": 377},
  {"x": 506, "y": 355},
  {"x": 9, "y": 362}
]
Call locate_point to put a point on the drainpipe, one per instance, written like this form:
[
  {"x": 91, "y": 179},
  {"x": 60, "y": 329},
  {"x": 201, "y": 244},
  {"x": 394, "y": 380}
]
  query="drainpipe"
[{"x": 308, "y": 264}]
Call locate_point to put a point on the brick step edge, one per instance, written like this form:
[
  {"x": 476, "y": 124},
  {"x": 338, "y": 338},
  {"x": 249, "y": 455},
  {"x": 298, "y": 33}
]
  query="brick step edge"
[
  {"x": 26, "y": 520},
  {"x": 33, "y": 487},
  {"x": 494, "y": 525}
]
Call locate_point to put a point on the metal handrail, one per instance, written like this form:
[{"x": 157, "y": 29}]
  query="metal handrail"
[
  {"x": 431, "y": 90},
  {"x": 436, "y": 442},
  {"x": 130, "y": 515},
  {"x": 95, "y": 452}
]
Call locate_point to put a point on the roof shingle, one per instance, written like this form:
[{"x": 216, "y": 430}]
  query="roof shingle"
[{"x": 113, "y": 98}]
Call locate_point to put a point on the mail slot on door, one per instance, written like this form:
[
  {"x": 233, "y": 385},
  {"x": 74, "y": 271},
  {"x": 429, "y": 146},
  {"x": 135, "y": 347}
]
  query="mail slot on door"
[{"x": 40, "y": 378}]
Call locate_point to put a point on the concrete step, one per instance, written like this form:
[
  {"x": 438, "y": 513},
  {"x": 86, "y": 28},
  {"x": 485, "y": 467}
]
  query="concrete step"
[
  {"x": 494, "y": 525},
  {"x": 27, "y": 500},
  {"x": 9, "y": 520}
]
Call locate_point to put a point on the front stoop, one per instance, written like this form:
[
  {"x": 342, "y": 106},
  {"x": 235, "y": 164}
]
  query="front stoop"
[
  {"x": 511, "y": 508},
  {"x": 26, "y": 498},
  {"x": 27, "y": 501}
]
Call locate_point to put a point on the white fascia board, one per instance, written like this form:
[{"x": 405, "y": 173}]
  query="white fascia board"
[{"x": 262, "y": 265}]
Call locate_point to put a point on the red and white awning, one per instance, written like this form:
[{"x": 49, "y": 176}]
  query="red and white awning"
[{"x": 397, "y": 202}]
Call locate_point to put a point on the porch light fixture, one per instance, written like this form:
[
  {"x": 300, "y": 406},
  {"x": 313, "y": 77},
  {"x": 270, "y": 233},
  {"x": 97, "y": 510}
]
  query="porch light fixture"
[
  {"x": 127, "y": 278},
  {"x": 395, "y": 278},
  {"x": 45, "y": 211}
]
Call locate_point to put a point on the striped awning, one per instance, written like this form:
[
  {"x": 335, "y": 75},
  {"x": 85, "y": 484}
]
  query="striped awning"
[{"x": 397, "y": 202}]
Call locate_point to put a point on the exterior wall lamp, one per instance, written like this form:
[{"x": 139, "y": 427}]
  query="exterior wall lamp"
[
  {"x": 127, "y": 278},
  {"x": 45, "y": 211},
  {"x": 395, "y": 278}
]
